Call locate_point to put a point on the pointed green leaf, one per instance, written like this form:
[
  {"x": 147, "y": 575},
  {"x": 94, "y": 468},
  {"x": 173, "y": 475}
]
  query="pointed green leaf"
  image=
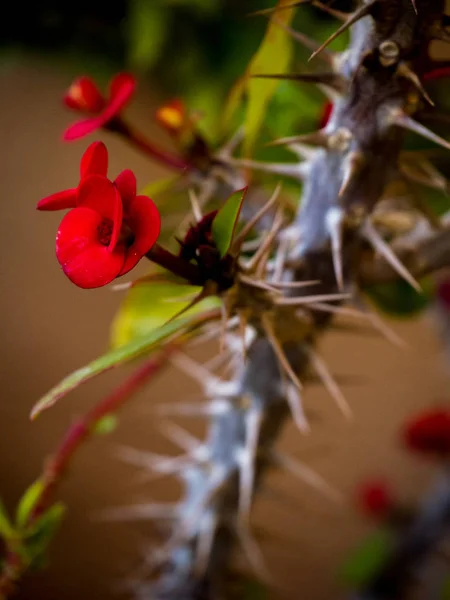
[
  {"x": 6, "y": 528},
  {"x": 149, "y": 306},
  {"x": 368, "y": 558},
  {"x": 225, "y": 222},
  {"x": 28, "y": 502},
  {"x": 40, "y": 534},
  {"x": 273, "y": 56},
  {"x": 114, "y": 357}
]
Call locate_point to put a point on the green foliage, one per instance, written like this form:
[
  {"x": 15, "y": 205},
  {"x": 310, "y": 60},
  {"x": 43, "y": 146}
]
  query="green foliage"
[
  {"x": 149, "y": 306},
  {"x": 367, "y": 559},
  {"x": 273, "y": 56},
  {"x": 6, "y": 528},
  {"x": 119, "y": 355},
  {"x": 399, "y": 299},
  {"x": 225, "y": 222},
  {"x": 147, "y": 27},
  {"x": 28, "y": 502},
  {"x": 38, "y": 536}
]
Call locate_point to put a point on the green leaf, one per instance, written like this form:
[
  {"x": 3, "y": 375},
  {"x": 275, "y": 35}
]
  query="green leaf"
[
  {"x": 225, "y": 222},
  {"x": 6, "y": 528},
  {"x": 39, "y": 535},
  {"x": 148, "y": 306},
  {"x": 273, "y": 56},
  {"x": 28, "y": 502},
  {"x": 147, "y": 29},
  {"x": 368, "y": 558},
  {"x": 399, "y": 299},
  {"x": 160, "y": 186},
  {"x": 107, "y": 424},
  {"x": 114, "y": 357}
]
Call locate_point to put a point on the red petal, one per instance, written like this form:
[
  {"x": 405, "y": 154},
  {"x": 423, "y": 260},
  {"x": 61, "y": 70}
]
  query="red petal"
[
  {"x": 94, "y": 161},
  {"x": 85, "y": 127},
  {"x": 85, "y": 261},
  {"x": 59, "y": 201},
  {"x": 84, "y": 95},
  {"x": 126, "y": 184},
  {"x": 144, "y": 221},
  {"x": 100, "y": 194},
  {"x": 121, "y": 89}
]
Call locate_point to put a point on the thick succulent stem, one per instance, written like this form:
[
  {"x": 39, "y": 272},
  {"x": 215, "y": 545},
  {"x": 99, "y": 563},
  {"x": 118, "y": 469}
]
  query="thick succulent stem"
[{"x": 343, "y": 183}]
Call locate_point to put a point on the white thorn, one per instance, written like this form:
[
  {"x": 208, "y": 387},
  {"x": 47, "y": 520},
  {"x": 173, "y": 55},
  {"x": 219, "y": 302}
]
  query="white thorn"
[
  {"x": 323, "y": 372},
  {"x": 294, "y": 170},
  {"x": 279, "y": 352},
  {"x": 294, "y": 401},
  {"x": 181, "y": 437},
  {"x": 253, "y": 553},
  {"x": 196, "y": 210},
  {"x": 194, "y": 370},
  {"x": 138, "y": 512},
  {"x": 306, "y": 474},
  {"x": 383, "y": 248},
  {"x": 153, "y": 462},
  {"x": 205, "y": 409},
  {"x": 312, "y": 299},
  {"x": 334, "y": 221}
]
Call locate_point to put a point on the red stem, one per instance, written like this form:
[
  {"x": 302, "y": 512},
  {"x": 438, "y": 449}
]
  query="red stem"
[
  {"x": 168, "y": 159},
  {"x": 13, "y": 564},
  {"x": 175, "y": 264}
]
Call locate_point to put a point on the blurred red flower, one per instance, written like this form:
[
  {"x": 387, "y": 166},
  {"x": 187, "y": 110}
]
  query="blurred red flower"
[
  {"x": 375, "y": 498},
  {"x": 429, "y": 432},
  {"x": 84, "y": 96}
]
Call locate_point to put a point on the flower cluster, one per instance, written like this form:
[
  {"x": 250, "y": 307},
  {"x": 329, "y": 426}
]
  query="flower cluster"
[{"x": 108, "y": 228}]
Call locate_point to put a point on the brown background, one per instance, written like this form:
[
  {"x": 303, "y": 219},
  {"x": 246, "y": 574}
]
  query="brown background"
[{"x": 49, "y": 327}]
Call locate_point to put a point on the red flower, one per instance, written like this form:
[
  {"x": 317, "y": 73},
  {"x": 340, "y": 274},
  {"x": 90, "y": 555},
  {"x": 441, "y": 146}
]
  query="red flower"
[
  {"x": 375, "y": 498},
  {"x": 84, "y": 96},
  {"x": 429, "y": 433},
  {"x": 109, "y": 228}
]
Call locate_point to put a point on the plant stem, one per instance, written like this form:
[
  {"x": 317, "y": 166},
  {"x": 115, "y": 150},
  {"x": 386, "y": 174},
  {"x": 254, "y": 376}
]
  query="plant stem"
[
  {"x": 172, "y": 161},
  {"x": 175, "y": 264},
  {"x": 13, "y": 565}
]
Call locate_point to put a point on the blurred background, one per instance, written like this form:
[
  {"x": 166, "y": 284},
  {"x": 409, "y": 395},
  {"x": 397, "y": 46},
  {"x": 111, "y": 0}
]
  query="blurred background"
[{"x": 194, "y": 49}]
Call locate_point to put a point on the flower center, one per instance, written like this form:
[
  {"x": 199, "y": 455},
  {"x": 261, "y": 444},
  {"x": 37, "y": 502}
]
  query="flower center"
[{"x": 105, "y": 230}]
